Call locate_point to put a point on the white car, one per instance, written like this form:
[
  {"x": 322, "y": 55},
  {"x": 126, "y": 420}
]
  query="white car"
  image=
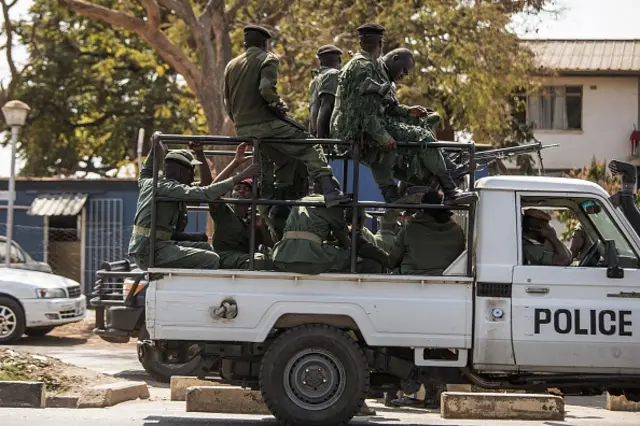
[
  {"x": 20, "y": 258},
  {"x": 35, "y": 303}
]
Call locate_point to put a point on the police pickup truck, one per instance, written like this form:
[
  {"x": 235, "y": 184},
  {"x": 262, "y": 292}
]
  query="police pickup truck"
[{"x": 316, "y": 345}]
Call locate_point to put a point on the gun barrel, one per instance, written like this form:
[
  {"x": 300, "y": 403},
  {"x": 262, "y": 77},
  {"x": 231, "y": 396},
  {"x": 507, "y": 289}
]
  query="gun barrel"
[{"x": 512, "y": 150}]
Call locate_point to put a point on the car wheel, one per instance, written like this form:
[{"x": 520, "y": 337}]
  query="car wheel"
[
  {"x": 38, "y": 331},
  {"x": 12, "y": 321},
  {"x": 314, "y": 375}
]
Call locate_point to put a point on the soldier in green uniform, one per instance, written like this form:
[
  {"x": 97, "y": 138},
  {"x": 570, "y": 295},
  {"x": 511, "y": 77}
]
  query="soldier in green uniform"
[
  {"x": 387, "y": 228},
  {"x": 536, "y": 231},
  {"x": 322, "y": 91},
  {"x": 429, "y": 242},
  {"x": 171, "y": 216},
  {"x": 316, "y": 240},
  {"x": 361, "y": 113},
  {"x": 231, "y": 238},
  {"x": 253, "y": 103}
]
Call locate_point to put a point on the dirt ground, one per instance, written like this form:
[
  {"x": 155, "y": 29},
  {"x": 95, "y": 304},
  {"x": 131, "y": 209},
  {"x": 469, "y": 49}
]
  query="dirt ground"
[{"x": 60, "y": 378}]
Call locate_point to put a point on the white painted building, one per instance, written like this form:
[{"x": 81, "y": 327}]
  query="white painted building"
[{"x": 591, "y": 105}]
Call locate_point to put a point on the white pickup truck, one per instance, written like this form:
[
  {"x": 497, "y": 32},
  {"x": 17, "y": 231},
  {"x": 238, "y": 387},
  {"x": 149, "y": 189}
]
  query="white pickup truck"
[{"x": 315, "y": 345}]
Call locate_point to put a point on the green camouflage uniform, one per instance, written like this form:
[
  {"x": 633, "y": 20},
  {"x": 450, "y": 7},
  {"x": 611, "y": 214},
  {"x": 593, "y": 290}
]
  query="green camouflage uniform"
[
  {"x": 232, "y": 237},
  {"x": 171, "y": 216},
  {"x": 385, "y": 239},
  {"x": 415, "y": 166},
  {"x": 427, "y": 247},
  {"x": 536, "y": 253},
  {"x": 305, "y": 249},
  {"x": 325, "y": 81}
]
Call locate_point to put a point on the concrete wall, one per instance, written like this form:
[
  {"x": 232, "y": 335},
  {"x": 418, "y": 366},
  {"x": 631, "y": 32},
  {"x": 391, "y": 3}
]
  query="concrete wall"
[{"x": 609, "y": 112}]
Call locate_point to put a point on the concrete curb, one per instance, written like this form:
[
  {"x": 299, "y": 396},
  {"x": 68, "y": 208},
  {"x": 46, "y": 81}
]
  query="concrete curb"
[
  {"x": 621, "y": 403},
  {"x": 112, "y": 394},
  {"x": 22, "y": 394},
  {"x": 224, "y": 399},
  {"x": 62, "y": 401},
  {"x": 504, "y": 406},
  {"x": 179, "y": 385}
]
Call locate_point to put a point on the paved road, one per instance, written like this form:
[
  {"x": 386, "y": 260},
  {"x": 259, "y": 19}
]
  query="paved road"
[{"x": 165, "y": 413}]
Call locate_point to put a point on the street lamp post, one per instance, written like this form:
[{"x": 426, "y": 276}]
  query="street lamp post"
[{"x": 15, "y": 115}]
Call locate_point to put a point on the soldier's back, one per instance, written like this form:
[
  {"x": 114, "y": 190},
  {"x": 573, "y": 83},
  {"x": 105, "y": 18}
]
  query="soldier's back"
[{"x": 242, "y": 77}]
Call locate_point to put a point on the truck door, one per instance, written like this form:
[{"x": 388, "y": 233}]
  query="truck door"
[{"x": 583, "y": 317}]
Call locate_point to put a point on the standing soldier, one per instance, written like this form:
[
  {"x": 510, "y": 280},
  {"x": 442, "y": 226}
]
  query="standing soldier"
[
  {"x": 360, "y": 113},
  {"x": 253, "y": 103},
  {"x": 171, "y": 216},
  {"x": 322, "y": 91}
]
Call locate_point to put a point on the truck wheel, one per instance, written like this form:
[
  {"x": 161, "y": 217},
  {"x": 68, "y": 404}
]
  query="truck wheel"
[
  {"x": 12, "y": 321},
  {"x": 38, "y": 331},
  {"x": 162, "y": 371},
  {"x": 314, "y": 375}
]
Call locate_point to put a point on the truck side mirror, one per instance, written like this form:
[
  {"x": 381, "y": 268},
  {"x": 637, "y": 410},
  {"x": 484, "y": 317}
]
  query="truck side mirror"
[{"x": 614, "y": 271}]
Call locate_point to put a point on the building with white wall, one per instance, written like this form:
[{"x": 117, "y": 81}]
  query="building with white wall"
[{"x": 590, "y": 106}]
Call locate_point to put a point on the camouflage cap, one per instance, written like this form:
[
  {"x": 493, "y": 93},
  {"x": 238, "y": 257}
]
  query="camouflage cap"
[
  {"x": 538, "y": 214},
  {"x": 257, "y": 28},
  {"x": 328, "y": 49},
  {"x": 370, "y": 29},
  {"x": 184, "y": 157}
]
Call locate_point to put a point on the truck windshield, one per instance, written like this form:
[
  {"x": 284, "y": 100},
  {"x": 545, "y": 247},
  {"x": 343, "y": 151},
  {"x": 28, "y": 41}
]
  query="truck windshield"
[{"x": 607, "y": 228}]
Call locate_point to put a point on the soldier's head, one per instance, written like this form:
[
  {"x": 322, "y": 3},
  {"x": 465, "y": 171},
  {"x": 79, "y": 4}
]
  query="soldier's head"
[
  {"x": 371, "y": 38},
  {"x": 256, "y": 36},
  {"x": 180, "y": 165},
  {"x": 330, "y": 56},
  {"x": 400, "y": 63},
  {"x": 243, "y": 189},
  {"x": 533, "y": 220},
  {"x": 434, "y": 197}
]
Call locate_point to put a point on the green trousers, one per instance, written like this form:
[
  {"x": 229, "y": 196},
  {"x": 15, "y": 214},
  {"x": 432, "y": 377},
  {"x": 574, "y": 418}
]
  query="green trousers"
[
  {"x": 342, "y": 263},
  {"x": 235, "y": 260},
  {"x": 183, "y": 254}
]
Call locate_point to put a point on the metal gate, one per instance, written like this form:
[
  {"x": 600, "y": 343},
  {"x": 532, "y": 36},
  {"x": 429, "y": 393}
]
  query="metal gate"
[{"x": 103, "y": 236}]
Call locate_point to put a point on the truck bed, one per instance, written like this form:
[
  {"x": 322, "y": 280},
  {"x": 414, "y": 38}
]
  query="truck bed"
[{"x": 389, "y": 310}]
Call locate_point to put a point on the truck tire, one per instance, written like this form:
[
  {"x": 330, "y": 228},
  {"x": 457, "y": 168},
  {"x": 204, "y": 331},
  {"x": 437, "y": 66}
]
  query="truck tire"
[
  {"x": 12, "y": 321},
  {"x": 38, "y": 331},
  {"x": 161, "y": 371},
  {"x": 314, "y": 375}
]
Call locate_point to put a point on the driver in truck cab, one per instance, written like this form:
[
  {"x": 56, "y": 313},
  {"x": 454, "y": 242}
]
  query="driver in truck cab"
[
  {"x": 536, "y": 231},
  {"x": 171, "y": 215}
]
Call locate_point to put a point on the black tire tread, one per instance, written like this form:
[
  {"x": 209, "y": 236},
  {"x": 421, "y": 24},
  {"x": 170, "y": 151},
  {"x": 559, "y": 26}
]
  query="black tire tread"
[
  {"x": 310, "y": 328},
  {"x": 155, "y": 370}
]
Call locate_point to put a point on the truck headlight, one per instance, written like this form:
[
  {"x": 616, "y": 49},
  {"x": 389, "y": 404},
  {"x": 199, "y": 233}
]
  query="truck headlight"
[{"x": 51, "y": 293}]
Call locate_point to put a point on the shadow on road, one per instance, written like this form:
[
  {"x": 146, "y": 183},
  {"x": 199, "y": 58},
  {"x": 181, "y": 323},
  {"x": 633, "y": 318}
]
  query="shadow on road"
[
  {"x": 182, "y": 421},
  {"x": 51, "y": 341},
  {"x": 142, "y": 376}
]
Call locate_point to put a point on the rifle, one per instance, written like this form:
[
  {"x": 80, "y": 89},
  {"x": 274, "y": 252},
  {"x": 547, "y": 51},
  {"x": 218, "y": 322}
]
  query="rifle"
[{"x": 484, "y": 158}]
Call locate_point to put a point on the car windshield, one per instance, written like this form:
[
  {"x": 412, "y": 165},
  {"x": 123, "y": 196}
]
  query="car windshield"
[
  {"x": 605, "y": 225},
  {"x": 16, "y": 254}
]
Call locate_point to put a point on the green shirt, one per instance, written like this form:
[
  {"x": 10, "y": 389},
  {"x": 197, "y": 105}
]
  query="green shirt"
[
  {"x": 536, "y": 253},
  {"x": 353, "y": 113},
  {"x": 232, "y": 233},
  {"x": 427, "y": 247},
  {"x": 249, "y": 85},
  {"x": 321, "y": 221},
  {"x": 171, "y": 216},
  {"x": 324, "y": 82},
  {"x": 385, "y": 239}
]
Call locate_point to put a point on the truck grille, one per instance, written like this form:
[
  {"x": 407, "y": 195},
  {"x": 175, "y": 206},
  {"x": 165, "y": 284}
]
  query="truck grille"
[
  {"x": 74, "y": 291},
  {"x": 71, "y": 313}
]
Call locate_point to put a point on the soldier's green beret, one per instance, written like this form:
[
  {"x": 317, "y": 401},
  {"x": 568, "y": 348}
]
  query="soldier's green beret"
[
  {"x": 329, "y": 49},
  {"x": 370, "y": 29},
  {"x": 257, "y": 28},
  {"x": 184, "y": 157}
]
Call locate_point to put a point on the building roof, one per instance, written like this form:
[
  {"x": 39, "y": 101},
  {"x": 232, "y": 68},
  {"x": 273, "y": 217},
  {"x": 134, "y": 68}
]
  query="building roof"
[
  {"x": 540, "y": 183},
  {"x": 65, "y": 204},
  {"x": 588, "y": 56}
]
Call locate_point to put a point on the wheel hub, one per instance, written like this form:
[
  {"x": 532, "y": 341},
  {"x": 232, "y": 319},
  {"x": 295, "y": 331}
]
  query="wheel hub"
[
  {"x": 314, "y": 379},
  {"x": 8, "y": 322}
]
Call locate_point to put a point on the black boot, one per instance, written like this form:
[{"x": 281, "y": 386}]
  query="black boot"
[
  {"x": 453, "y": 194},
  {"x": 332, "y": 195}
]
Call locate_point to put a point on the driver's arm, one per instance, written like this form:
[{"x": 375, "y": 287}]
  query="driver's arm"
[{"x": 561, "y": 254}]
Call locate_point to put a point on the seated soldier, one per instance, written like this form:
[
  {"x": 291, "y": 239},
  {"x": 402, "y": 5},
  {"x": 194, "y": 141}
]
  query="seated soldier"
[
  {"x": 231, "y": 238},
  {"x": 367, "y": 244},
  {"x": 429, "y": 242},
  {"x": 171, "y": 215},
  {"x": 536, "y": 231},
  {"x": 305, "y": 247},
  {"x": 387, "y": 229}
]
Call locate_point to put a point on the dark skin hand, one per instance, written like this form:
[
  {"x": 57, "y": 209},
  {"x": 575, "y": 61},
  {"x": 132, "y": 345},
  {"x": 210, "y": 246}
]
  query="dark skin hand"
[{"x": 562, "y": 255}]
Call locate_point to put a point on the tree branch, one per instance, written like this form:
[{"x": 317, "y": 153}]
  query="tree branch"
[
  {"x": 233, "y": 11},
  {"x": 153, "y": 15},
  {"x": 8, "y": 29},
  {"x": 172, "y": 54},
  {"x": 183, "y": 10}
]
